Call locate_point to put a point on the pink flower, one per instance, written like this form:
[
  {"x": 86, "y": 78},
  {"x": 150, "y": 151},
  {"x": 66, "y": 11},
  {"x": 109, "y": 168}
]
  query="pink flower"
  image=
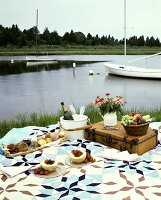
[
  {"x": 99, "y": 104},
  {"x": 105, "y": 101},
  {"x": 109, "y": 104},
  {"x": 114, "y": 100}
]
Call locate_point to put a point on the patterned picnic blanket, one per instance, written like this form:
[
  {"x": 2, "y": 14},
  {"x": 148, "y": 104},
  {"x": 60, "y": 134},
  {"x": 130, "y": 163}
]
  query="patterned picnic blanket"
[{"x": 102, "y": 180}]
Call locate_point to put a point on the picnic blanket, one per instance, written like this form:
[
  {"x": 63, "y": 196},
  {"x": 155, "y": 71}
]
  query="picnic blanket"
[{"x": 101, "y": 180}]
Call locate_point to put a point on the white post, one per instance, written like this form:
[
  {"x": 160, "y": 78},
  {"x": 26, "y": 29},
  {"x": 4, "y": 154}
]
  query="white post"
[{"x": 74, "y": 64}]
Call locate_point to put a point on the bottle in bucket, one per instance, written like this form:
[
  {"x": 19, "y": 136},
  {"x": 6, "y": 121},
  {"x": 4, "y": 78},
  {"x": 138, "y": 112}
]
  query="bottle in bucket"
[{"x": 67, "y": 115}]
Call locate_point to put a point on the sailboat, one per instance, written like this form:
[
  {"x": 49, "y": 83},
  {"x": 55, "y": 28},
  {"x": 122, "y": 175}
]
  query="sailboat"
[
  {"x": 131, "y": 71},
  {"x": 38, "y": 58}
]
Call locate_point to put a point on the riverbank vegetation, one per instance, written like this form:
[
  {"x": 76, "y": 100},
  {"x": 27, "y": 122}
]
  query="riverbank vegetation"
[
  {"x": 13, "y": 41},
  {"x": 77, "y": 50},
  {"x": 42, "y": 120}
]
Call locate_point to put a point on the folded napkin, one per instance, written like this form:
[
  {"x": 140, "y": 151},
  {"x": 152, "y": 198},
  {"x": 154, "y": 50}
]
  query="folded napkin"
[
  {"x": 114, "y": 154},
  {"x": 14, "y": 170}
]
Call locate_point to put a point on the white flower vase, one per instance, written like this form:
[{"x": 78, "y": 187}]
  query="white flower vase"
[{"x": 110, "y": 119}]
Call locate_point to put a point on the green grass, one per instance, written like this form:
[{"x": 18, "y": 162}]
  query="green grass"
[
  {"x": 35, "y": 119},
  {"x": 78, "y": 50}
]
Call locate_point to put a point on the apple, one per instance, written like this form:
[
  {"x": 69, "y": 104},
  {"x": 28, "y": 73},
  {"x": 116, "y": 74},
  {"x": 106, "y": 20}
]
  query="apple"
[{"x": 146, "y": 117}]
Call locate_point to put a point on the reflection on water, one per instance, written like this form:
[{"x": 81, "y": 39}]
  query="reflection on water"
[
  {"x": 41, "y": 88},
  {"x": 7, "y": 68},
  {"x": 138, "y": 92},
  {"x": 29, "y": 64}
]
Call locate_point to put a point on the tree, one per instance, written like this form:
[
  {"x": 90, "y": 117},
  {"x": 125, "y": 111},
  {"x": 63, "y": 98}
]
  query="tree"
[
  {"x": 45, "y": 37},
  {"x": 96, "y": 40},
  {"x": 2, "y": 36},
  {"x": 141, "y": 41},
  {"x": 150, "y": 41},
  {"x": 72, "y": 37},
  {"x": 55, "y": 38},
  {"x": 79, "y": 38},
  {"x": 103, "y": 40},
  {"x": 66, "y": 37},
  {"x": 89, "y": 40},
  {"x": 30, "y": 35},
  {"x": 15, "y": 34},
  {"x": 157, "y": 42},
  {"x": 132, "y": 41}
]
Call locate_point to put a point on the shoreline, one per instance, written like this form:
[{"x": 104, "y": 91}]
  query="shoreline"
[
  {"x": 78, "y": 50},
  {"x": 35, "y": 119}
]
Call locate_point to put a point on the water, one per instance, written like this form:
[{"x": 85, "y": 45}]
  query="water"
[{"x": 41, "y": 88}]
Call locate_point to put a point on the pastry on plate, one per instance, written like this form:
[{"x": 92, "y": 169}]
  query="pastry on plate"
[
  {"x": 49, "y": 165},
  {"x": 77, "y": 156}
]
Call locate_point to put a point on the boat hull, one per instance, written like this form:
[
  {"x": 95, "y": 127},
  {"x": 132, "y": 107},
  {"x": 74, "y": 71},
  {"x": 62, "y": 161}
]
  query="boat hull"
[
  {"x": 36, "y": 63},
  {"x": 39, "y": 58},
  {"x": 130, "y": 71}
]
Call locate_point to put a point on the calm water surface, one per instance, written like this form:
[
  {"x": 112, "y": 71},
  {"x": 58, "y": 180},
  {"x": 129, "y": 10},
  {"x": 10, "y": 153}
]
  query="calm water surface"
[{"x": 26, "y": 88}]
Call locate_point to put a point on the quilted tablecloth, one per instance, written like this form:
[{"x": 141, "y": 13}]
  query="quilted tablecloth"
[{"x": 102, "y": 180}]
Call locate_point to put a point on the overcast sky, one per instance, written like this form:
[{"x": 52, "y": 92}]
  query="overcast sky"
[{"x": 102, "y": 17}]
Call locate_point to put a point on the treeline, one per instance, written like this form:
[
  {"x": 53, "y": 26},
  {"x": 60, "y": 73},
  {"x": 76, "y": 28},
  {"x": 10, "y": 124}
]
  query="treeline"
[{"x": 15, "y": 37}]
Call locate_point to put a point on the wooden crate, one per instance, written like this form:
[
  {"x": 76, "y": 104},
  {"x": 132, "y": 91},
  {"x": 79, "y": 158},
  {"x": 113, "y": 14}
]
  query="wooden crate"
[{"x": 119, "y": 139}]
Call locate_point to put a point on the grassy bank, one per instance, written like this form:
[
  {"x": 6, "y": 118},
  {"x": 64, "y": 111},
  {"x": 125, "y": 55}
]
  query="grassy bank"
[
  {"x": 77, "y": 50},
  {"x": 34, "y": 119}
]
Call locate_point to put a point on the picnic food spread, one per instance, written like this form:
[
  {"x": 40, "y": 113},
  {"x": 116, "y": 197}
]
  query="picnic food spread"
[
  {"x": 28, "y": 145},
  {"x": 104, "y": 179}
]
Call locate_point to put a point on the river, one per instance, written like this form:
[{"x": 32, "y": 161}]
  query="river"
[{"x": 26, "y": 88}]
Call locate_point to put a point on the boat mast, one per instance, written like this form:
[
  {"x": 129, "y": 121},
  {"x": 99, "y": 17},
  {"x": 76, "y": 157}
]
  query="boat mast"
[
  {"x": 36, "y": 29},
  {"x": 125, "y": 33}
]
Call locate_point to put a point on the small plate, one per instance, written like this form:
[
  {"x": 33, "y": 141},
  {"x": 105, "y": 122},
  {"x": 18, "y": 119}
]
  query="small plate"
[
  {"x": 69, "y": 162},
  {"x": 60, "y": 170},
  {"x": 155, "y": 125}
]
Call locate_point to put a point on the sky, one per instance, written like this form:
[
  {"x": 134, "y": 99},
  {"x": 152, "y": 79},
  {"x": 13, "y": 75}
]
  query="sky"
[{"x": 102, "y": 17}]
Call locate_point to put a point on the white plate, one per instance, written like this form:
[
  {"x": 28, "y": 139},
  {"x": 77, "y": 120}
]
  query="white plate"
[
  {"x": 69, "y": 162},
  {"x": 60, "y": 170}
]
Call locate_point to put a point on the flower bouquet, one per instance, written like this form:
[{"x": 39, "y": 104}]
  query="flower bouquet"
[{"x": 109, "y": 107}]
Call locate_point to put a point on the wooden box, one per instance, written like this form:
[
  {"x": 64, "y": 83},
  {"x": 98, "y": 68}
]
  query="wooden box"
[{"x": 119, "y": 139}]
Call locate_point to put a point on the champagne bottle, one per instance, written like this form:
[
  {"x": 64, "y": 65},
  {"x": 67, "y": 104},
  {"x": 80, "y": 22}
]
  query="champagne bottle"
[{"x": 66, "y": 114}]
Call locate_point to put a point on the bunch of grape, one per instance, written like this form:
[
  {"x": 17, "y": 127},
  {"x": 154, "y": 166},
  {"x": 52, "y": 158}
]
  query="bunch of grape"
[{"x": 127, "y": 120}]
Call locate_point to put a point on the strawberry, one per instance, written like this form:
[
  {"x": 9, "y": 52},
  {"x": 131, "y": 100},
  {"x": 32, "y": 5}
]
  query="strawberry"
[
  {"x": 41, "y": 173},
  {"x": 36, "y": 171},
  {"x": 46, "y": 172}
]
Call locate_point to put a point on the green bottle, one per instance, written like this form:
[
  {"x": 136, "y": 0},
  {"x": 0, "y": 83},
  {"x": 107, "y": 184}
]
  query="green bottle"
[{"x": 66, "y": 114}]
